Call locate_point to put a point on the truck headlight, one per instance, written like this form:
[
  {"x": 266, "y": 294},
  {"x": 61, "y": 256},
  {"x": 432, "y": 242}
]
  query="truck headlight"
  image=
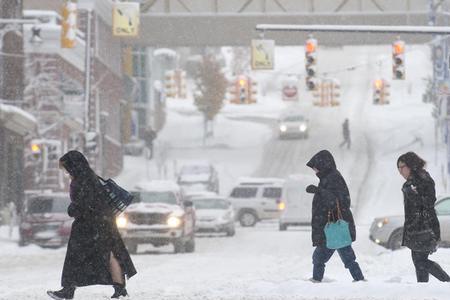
[
  {"x": 173, "y": 222},
  {"x": 303, "y": 128},
  {"x": 121, "y": 221},
  {"x": 283, "y": 128}
]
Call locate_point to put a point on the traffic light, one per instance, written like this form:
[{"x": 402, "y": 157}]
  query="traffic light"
[
  {"x": 36, "y": 151},
  {"x": 398, "y": 59},
  {"x": 310, "y": 62},
  {"x": 68, "y": 24},
  {"x": 242, "y": 90},
  {"x": 380, "y": 91},
  {"x": 53, "y": 152}
]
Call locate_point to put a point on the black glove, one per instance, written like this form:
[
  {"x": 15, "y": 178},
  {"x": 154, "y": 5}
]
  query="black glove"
[
  {"x": 409, "y": 189},
  {"x": 312, "y": 189}
]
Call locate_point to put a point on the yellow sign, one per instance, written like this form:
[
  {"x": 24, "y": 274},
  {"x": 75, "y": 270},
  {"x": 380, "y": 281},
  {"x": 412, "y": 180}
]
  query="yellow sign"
[
  {"x": 126, "y": 19},
  {"x": 263, "y": 54}
]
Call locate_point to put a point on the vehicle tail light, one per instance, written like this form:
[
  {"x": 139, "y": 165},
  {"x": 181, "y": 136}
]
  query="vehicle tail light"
[{"x": 65, "y": 228}]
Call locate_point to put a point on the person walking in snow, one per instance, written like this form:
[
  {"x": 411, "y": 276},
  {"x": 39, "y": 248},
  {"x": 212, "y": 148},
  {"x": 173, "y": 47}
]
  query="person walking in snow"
[
  {"x": 419, "y": 197},
  {"x": 346, "y": 135},
  {"x": 332, "y": 187},
  {"x": 95, "y": 253}
]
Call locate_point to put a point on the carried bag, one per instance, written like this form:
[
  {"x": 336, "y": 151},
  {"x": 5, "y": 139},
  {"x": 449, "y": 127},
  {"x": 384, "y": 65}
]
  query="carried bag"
[
  {"x": 337, "y": 233},
  {"x": 116, "y": 197},
  {"x": 422, "y": 237}
]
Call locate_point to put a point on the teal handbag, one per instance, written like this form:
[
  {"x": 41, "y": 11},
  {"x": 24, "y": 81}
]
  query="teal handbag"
[{"x": 337, "y": 234}]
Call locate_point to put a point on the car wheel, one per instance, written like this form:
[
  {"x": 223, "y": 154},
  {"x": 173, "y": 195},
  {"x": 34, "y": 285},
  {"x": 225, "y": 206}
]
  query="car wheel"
[
  {"x": 132, "y": 247},
  {"x": 179, "y": 246},
  {"x": 231, "y": 232},
  {"x": 395, "y": 240},
  {"x": 189, "y": 247},
  {"x": 247, "y": 219},
  {"x": 283, "y": 227}
]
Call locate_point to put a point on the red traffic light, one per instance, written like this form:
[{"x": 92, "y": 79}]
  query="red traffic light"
[
  {"x": 398, "y": 48},
  {"x": 310, "y": 46}
]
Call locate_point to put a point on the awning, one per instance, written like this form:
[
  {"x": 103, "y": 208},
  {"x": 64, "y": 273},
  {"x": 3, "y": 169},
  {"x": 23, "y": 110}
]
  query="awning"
[{"x": 17, "y": 120}]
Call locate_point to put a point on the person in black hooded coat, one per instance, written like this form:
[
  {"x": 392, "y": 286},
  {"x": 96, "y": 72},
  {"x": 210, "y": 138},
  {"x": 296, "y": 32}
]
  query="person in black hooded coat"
[
  {"x": 332, "y": 187},
  {"x": 95, "y": 253},
  {"x": 419, "y": 197}
]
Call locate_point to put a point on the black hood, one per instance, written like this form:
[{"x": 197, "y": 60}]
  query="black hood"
[
  {"x": 322, "y": 161},
  {"x": 76, "y": 164}
]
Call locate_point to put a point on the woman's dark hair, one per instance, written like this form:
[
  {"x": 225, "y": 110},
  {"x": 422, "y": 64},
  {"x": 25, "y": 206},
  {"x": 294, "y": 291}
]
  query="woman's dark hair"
[
  {"x": 412, "y": 161},
  {"x": 77, "y": 165}
]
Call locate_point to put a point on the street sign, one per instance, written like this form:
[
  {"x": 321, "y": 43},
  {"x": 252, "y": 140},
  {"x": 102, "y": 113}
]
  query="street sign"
[
  {"x": 126, "y": 19},
  {"x": 263, "y": 54}
]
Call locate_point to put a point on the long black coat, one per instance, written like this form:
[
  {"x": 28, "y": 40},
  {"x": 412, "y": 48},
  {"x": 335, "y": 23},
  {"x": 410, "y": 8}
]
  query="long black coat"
[
  {"x": 332, "y": 187},
  {"x": 94, "y": 235},
  {"x": 414, "y": 203}
]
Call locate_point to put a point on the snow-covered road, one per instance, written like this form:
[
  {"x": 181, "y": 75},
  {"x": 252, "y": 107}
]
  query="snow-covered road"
[{"x": 262, "y": 262}]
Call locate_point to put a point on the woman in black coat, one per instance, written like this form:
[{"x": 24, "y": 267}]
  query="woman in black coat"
[
  {"x": 332, "y": 187},
  {"x": 96, "y": 253},
  {"x": 419, "y": 197}
]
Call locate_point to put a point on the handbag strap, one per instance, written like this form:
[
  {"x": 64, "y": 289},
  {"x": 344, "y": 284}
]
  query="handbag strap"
[{"x": 339, "y": 212}]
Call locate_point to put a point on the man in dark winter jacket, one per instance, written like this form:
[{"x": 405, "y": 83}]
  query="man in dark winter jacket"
[{"x": 331, "y": 188}]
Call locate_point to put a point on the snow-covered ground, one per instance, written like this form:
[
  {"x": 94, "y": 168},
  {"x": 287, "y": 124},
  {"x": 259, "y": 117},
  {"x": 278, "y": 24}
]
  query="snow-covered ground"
[{"x": 262, "y": 262}]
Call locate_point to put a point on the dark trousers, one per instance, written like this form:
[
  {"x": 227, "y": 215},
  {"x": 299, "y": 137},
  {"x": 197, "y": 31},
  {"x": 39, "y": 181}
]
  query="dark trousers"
[
  {"x": 346, "y": 141},
  {"x": 322, "y": 255},
  {"x": 425, "y": 267}
]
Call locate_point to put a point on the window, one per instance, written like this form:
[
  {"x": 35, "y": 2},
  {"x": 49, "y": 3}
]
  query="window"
[
  {"x": 47, "y": 205},
  {"x": 244, "y": 192},
  {"x": 443, "y": 207},
  {"x": 155, "y": 197},
  {"x": 272, "y": 192}
]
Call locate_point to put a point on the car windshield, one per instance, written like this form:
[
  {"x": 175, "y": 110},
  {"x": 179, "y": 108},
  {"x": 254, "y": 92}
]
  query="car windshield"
[
  {"x": 41, "y": 205},
  {"x": 244, "y": 192},
  {"x": 194, "y": 169},
  {"x": 210, "y": 204},
  {"x": 156, "y": 197},
  {"x": 294, "y": 119}
]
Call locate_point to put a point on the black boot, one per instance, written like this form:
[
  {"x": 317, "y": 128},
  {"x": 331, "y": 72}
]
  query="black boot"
[
  {"x": 119, "y": 290},
  {"x": 62, "y": 294}
]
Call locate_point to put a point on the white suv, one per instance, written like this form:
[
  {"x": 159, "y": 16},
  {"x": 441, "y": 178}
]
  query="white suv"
[
  {"x": 256, "y": 199},
  {"x": 158, "y": 216}
]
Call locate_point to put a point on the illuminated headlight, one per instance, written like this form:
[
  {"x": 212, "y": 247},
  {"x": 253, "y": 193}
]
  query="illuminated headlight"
[
  {"x": 281, "y": 205},
  {"x": 377, "y": 241},
  {"x": 121, "y": 221},
  {"x": 173, "y": 221},
  {"x": 303, "y": 128},
  {"x": 382, "y": 223},
  {"x": 283, "y": 128}
]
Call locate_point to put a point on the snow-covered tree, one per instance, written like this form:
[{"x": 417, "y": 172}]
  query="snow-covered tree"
[{"x": 211, "y": 86}]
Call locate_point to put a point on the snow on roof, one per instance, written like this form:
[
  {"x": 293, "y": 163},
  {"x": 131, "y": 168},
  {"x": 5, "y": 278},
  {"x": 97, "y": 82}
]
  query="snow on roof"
[
  {"x": 259, "y": 180},
  {"x": 39, "y": 13},
  {"x": 164, "y": 51},
  {"x": 157, "y": 185},
  {"x": 16, "y": 110}
]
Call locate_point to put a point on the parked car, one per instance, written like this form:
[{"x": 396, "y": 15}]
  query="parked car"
[
  {"x": 388, "y": 231},
  {"x": 295, "y": 203},
  {"x": 198, "y": 175},
  {"x": 44, "y": 220},
  {"x": 256, "y": 199},
  {"x": 159, "y": 216},
  {"x": 293, "y": 126},
  {"x": 214, "y": 214}
]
